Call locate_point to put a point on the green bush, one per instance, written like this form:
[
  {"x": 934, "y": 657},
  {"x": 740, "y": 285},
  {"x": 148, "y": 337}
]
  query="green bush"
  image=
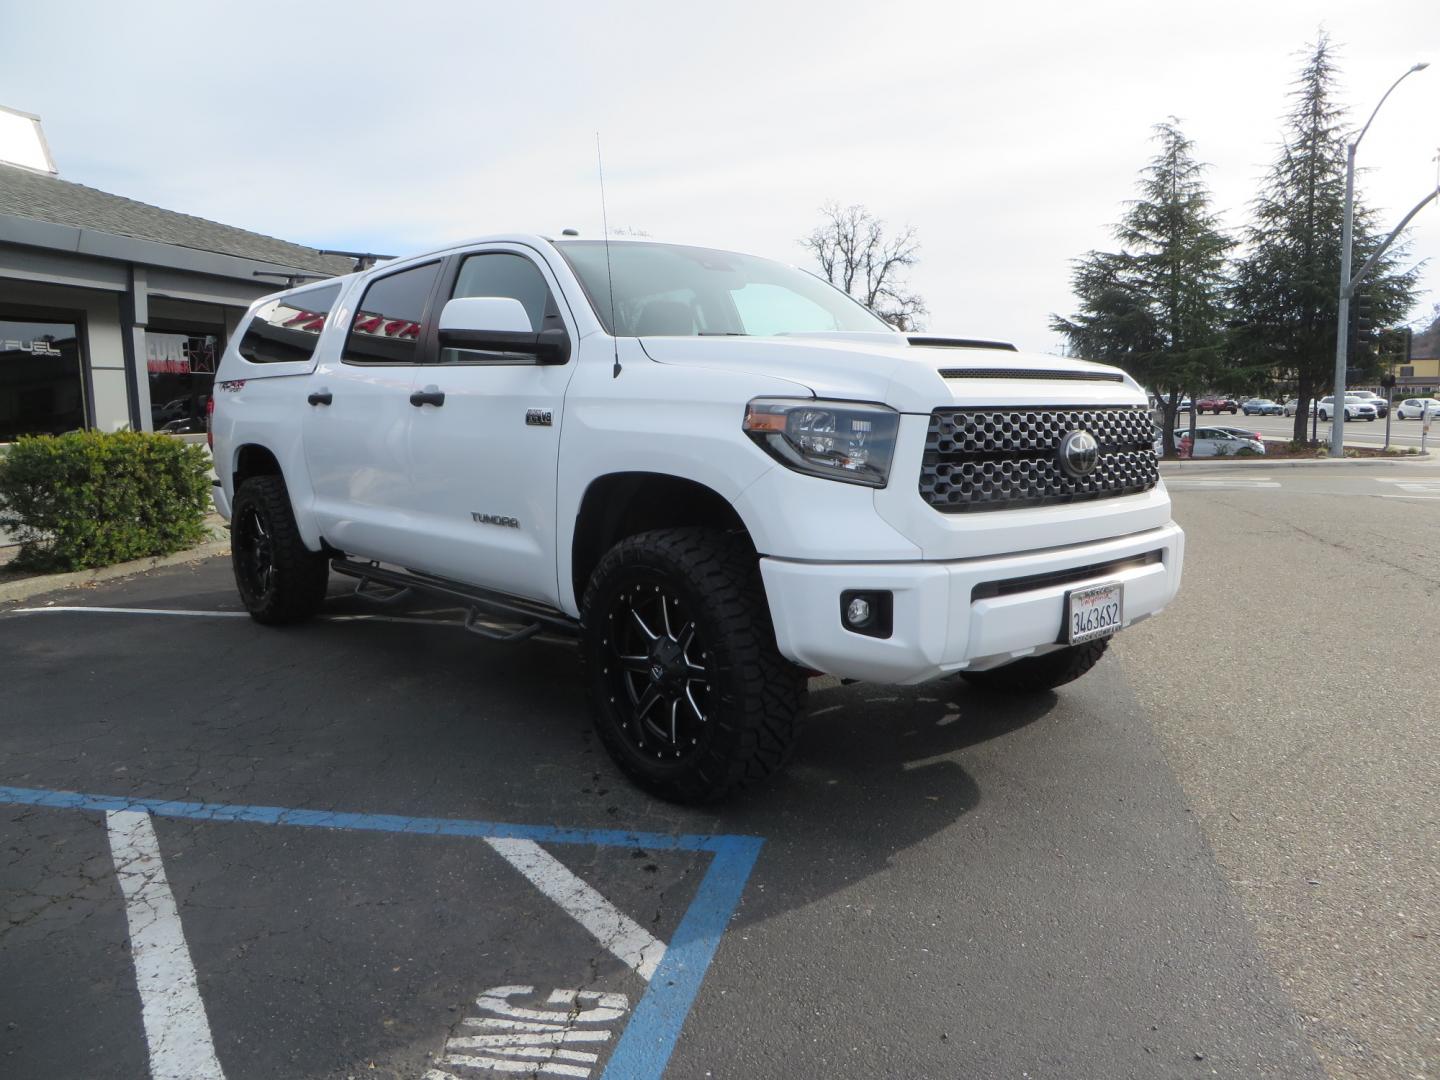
[{"x": 91, "y": 498}]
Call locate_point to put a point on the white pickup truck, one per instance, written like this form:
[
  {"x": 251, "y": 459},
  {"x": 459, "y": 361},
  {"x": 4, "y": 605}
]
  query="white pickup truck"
[{"x": 719, "y": 471}]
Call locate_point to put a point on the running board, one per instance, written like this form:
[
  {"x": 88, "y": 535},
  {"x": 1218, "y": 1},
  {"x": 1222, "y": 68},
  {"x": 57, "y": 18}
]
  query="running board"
[{"x": 479, "y": 603}]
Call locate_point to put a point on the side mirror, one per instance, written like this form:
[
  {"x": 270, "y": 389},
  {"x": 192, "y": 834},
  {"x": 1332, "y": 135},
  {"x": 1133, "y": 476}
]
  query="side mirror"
[{"x": 499, "y": 324}]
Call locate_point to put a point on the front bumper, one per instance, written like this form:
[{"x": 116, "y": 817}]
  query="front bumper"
[{"x": 968, "y": 614}]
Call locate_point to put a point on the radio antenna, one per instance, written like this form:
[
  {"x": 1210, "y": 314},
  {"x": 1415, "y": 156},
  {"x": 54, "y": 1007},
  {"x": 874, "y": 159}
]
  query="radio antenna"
[{"x": 609, "y": 273}]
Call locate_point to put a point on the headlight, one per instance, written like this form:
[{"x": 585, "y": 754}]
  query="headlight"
[{"x": 839, "y": 440}]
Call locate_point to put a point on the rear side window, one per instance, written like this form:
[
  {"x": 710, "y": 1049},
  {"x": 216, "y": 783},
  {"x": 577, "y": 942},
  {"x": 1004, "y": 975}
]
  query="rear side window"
[
  {"x": 389, "y": 320},
  {"x": 286, "y": 330}
]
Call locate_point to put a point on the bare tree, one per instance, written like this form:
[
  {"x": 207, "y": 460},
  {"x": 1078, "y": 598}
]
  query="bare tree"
[{"x": 853, "y": 252}]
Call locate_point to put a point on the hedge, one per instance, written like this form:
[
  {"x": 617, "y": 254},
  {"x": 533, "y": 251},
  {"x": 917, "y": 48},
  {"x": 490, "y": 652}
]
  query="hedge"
[{"x": 92, "y": 498}]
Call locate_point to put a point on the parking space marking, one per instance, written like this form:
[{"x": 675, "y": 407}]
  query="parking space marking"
[
  {"x": 177, "y": 1031},
  {"x": 647, "y": 1041},
  {"x": 59, "y": 609},
  {"x": 1221, "y": 484},
  {"x": 518, "y": 1039},
  {"x": 411, "y": 620},
  {"x": 631, "y": 943}
]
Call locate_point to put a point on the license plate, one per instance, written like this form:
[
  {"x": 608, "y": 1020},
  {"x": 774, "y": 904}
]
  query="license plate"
[{"x": 1093, "y": 613}]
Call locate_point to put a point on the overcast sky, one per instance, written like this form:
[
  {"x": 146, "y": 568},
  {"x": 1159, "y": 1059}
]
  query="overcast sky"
[{"x": 1008, "y": 135}]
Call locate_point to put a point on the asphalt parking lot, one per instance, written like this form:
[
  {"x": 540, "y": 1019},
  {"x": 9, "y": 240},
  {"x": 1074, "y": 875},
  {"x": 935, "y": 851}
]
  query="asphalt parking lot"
[{"x": 393, "y": 849}]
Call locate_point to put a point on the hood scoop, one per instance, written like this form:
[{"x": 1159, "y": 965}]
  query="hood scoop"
[
  {"x": 1030, "y": 373},
  {"x": 959, "y": 343}
]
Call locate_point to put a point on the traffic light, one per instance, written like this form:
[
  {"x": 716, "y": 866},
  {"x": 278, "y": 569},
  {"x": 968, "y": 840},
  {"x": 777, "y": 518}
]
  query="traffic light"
[{"x": 1364, "y": 337}]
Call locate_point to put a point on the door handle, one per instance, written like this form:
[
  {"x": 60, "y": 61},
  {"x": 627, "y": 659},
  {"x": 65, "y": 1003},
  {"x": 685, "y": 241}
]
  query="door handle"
[
  {"x": 321, "y": 397},
  {"x": 428, "y": 396}
]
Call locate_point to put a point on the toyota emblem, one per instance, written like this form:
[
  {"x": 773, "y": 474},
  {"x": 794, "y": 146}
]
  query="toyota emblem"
[{"x": 1079, "y": 454}]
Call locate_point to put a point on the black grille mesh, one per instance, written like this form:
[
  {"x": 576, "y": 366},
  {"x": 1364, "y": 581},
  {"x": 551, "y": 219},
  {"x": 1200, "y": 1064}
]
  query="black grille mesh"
[{"x": 999, "y": 459}]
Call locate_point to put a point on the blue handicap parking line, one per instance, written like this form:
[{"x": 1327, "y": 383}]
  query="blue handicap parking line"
[{"x": 645, "y": 1046}]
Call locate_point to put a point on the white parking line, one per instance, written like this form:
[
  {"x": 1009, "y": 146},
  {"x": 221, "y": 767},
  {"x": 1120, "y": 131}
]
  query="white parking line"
[
  {"x": 1221, "y": 484},
  {"x": 630, "y": 942},
  {"x": 177, "y": 1030},
  {"x": 91, "y": 610},
  {"x": 131, "y": 611}
]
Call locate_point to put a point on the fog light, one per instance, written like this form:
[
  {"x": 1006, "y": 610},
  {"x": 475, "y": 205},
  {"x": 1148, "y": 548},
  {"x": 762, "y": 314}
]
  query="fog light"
[
  {"x": 857, "y": 613},
  {"x": 868, "y": 611}
]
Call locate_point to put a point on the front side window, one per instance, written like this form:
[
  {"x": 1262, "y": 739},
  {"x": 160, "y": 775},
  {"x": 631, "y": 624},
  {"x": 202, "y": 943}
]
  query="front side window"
[
  {"x": 389, "y": 319},
  {"x": 287, "y": 329},
  {"x": 670, "y": 290},
  {"x": 41, "y": 389},
  {"x": 504, "y": 274}
]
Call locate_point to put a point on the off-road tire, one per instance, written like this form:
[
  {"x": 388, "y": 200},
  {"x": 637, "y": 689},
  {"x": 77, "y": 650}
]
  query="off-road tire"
[
  {"x": 1036, "y": 674},
  {"x": 294, "y": 588},
  {"x": 754, "y": 699}
]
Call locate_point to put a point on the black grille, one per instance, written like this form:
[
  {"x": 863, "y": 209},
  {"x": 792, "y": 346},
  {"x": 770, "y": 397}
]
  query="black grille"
[{"x": 1001, "y": 459}]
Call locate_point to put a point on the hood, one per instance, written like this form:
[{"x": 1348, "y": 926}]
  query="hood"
[{"x": 891, "y": 368}]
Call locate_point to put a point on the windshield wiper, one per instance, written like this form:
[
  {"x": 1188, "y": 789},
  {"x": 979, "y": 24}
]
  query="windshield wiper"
[{"x": 720, "y": 333}]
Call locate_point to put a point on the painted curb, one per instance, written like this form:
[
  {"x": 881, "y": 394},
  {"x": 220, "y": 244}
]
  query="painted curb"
[
  {"x": 1287, "y": 463},
  {"x": 25, "y": 588}
]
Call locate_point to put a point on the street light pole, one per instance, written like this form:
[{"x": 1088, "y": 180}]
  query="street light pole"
[{"x": 1347, "y": 287}]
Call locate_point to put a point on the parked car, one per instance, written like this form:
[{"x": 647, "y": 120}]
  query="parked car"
[
  {"x": 1217, "y": 405},
  {"x": 1293, "y": 406},
  {"x": 1382, "y": 407},
  {"x": 1243, "y": 433},
  {"x": 1216, "y": 442},
  {"x": 1415, "y": 408},
  {"x": 1355, "y": 408},
  {"x": 714, "y": 502},
  {"x": 1260, "y": 406}
]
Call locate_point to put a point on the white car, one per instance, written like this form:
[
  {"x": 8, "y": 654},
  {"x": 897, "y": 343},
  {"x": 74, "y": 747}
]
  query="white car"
[
  {"x": 1217, "y": 442},
  {"x": 1416, "y": 408},
  {"x": 1382, "y": 407},
  {"x": 720, "y": 473},
  {"x": 1356, "y": 408}
]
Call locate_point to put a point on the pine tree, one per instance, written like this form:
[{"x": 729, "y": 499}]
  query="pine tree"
[
  {"x": 1157, "y": 307},
  {"x": 1285, "y": 295}
]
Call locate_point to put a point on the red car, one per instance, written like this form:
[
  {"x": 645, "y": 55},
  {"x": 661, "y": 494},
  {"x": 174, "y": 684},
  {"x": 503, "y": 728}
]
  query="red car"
[{"x": 1217, "y": 405}]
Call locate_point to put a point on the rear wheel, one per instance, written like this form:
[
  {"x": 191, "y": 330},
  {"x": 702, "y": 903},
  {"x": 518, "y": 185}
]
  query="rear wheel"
[
  {"x": 687, "y": 689},
  {"x": 1035, "y": 674},
  {"x": 279, "y": 579}
]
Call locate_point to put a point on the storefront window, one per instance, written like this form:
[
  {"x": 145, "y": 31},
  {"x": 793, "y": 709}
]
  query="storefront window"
[
  {"x": 41, "y": 389},
  {"x": 182, "y": 373}
]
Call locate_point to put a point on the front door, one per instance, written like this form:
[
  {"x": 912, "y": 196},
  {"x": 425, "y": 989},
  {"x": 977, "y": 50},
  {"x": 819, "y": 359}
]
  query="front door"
[
  {"x": 357, "y": 419},
  {"x": 483, "y": 460}
]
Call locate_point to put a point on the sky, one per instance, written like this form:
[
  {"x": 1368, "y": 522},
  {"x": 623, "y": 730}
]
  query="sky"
[{"x": 1008, "y": 135}]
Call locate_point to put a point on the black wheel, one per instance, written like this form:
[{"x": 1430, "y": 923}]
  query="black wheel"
[
  {"x": 687, "y": 689},
  {"x": 280, "y": 580},
  {"x": 1034, "y": 674}
]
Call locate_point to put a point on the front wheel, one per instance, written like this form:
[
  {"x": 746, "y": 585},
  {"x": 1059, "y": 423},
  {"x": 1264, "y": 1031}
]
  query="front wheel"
[
  {"x": 687, "y": 688},
  {"x": 279, "y": 579},
  {"x": 1036, "y": 674}
]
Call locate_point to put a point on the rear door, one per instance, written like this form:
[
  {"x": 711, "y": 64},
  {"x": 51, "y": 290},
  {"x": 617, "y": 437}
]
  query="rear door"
[
  {"x": 483, "y": 464},
  {"x": 358, "y": 415}
]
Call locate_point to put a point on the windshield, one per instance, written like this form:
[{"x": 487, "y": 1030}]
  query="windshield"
[{"x": 673, "y": 291}]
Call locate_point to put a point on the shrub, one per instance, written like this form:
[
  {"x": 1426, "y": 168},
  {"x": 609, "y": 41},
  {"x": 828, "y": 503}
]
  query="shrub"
[{"x": 91, "y": 498}]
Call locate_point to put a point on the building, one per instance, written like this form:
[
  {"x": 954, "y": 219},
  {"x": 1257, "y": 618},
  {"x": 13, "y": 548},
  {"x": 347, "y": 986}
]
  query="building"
[
  {"x": 1419, "y": 375},
  {"x": 113, "y": 312}
]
